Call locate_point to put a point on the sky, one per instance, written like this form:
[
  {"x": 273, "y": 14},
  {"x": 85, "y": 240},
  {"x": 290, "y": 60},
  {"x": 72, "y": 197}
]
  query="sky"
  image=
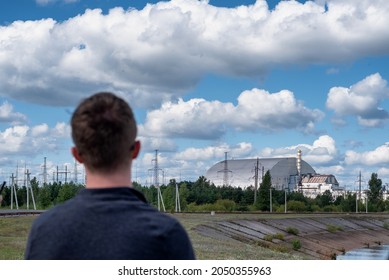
[{"x": 251, "y": 78}]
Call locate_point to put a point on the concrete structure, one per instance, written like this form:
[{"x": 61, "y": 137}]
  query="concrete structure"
[
  {"x": 315, "y": 184},
  {"x": 242, "y": 172}
]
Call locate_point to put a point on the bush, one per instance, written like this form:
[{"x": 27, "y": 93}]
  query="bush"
[
  {"x": 315, "y": 208},
  {"x": 331, "y": 208},
  {"x": 221, "y": 205},
  {"x": 334, "y": 228},
  {"x": 292, "y": 230},
  {"x": 386, "y": 225},
  {"x": 279, "y": 236},
  {"x": 226, "y": 204},
  {"x": 268, "y": 237},
  {"x": 296, "y": 244},
  {"x": 297, "y": 206}
]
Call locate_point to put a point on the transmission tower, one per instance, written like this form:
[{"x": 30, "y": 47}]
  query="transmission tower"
[
  {"x": 358, "y": 193},
  {"x": 66, "y": 172},
  {"x": 156, "y": 170},
  {"x": 226, "y": 172},
  {"x": 256, "y": 172}
]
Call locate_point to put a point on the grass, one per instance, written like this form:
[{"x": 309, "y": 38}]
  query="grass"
[
  {"x": 292, "y": 230},
  {"x": 334, "y": 228},
  {"x": 14, "y": 232},
  {"x": 270, "y": 237},
  {"x": 13, "y": 237}
]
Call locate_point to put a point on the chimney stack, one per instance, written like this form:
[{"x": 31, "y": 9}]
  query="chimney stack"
[{"x": 299, "y": 162}]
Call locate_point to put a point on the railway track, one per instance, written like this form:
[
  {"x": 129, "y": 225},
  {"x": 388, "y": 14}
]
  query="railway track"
[{"x": 19, "y": 212}]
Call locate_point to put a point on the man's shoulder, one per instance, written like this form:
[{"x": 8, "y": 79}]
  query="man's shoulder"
[{"x": 56, "y": 213}]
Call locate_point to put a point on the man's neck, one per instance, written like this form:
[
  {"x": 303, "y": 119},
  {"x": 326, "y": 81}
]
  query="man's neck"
[{"x": 97, "y": 180}]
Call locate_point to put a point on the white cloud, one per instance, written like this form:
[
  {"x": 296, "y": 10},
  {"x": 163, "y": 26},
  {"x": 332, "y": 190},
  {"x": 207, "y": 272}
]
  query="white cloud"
[
  {"x": 8, "y": 115},
  {"x": 384, "y": 171},
  {"x": 196, "y": 118},
  {"x": 361, "y": 100},
  {"x": 158, "y": 53},
  {"x": 12, "y": 139},
  {"x": 336, "y": 169},
  {"x": 22, "y": 140},
  {"x": 259, "y": 109},
  {"x": 39, "y": 130},
  {"x": 61, "y": 130},
  {"x": 154, "y": 143},
  {"x": 215, "y": 153},
  {"x": 379, "y": 156},
  {"x": 256, "y": 110},
  {"x": 323, "y": 151}
]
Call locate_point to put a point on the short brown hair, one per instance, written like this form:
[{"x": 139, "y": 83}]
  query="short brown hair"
[{"x": 104, "y": 131}]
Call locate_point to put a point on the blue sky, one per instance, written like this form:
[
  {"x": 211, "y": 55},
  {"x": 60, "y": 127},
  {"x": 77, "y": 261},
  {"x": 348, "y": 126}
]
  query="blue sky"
[{"x": 254, "y": 79}]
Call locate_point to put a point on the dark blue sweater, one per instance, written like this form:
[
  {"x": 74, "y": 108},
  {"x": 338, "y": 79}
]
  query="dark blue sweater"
[{"x": 112, "y": 223}]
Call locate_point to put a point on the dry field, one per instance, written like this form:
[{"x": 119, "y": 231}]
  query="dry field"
[{"x": 249, "y": 236}]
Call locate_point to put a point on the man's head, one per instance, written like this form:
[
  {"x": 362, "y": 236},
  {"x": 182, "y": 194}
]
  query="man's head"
[{"x": 104, "y": 132}]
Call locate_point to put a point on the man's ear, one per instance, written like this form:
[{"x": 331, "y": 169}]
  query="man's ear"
[
  {"x": 76, "y": 155},
  {"x": 135, "y": 151}
]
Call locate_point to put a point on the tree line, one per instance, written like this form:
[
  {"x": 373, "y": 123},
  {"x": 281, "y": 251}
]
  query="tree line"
[{"x": 202, "y": 195}]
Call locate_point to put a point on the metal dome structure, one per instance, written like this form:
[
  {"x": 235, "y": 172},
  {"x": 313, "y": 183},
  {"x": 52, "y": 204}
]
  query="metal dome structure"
[{"x": 285, "y": 172}]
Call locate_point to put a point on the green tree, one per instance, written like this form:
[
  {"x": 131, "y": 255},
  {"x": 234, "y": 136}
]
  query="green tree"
[
  {"x": 348, "y": 203},
  {"x": 324, "y": 199},
  {"x": 6, "y": 196},
  {"x": 169, "y": 195},
  {"x": 263, "y": 201},
  {"x": 184, "y": 193},
  {"x": 375, "y": 193},
  {"x": 202, "y": 191},
  {"x": 67, "y": 191},
  {"x": 248, "y": 196},
  {"x": 44, "y": 197}
]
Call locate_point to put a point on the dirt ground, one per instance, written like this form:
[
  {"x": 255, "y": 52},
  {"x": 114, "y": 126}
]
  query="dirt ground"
[{"x": 313, "y": 236}]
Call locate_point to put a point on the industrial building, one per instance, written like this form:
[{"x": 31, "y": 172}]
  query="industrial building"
[
  {"x": 285, "y": 172},
  {"x": 313, "y": 185}
]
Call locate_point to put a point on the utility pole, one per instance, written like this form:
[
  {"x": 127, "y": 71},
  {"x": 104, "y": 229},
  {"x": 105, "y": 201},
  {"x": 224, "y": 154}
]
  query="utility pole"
[
  {"x": 13, "y": 192},
  {"x": 29, "y": 187},
  {"x": 256, "y": 171},
  {"x": 178, "y": 204},
  {"x": 44, "y": 172},
  {"x": 286, "y": 183}
]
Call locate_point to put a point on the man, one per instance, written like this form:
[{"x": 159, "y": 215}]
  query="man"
[{"x": 108, "y": 219}]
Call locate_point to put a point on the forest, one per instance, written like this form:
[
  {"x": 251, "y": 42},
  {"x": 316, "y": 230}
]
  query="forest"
[{"x": 202, "y": 196}]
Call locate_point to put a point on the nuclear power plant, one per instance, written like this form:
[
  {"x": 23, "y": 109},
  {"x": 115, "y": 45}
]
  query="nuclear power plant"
[{"x": 285, "y": 172}]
